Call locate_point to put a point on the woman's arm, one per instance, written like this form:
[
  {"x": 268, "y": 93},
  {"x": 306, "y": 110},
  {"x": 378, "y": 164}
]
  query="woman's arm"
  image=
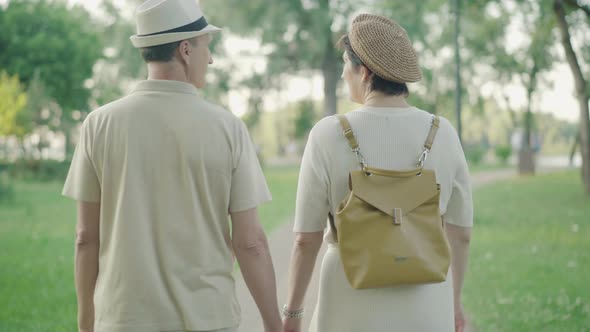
[
  {"x": 303, "y": 257},
  {"x": 459, "y": 240}
]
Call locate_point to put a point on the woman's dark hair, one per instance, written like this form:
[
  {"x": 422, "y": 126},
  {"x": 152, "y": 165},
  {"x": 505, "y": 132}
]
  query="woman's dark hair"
[{"x": 377, "y": 83}]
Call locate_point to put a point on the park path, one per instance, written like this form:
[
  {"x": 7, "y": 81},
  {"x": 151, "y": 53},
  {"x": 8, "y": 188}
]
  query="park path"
[{"x": 280, "y": 242}]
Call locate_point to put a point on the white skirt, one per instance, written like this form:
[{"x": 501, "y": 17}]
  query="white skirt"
[{"x": 341, "y": 308}]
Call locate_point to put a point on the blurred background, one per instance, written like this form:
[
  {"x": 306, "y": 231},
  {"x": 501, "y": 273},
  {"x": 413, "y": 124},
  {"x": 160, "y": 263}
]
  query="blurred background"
[{"x": 511, "y": 75}]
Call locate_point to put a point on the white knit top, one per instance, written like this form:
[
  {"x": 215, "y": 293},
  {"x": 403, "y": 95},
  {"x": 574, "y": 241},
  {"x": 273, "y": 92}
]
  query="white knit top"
[{"x": 389, "y": 138}]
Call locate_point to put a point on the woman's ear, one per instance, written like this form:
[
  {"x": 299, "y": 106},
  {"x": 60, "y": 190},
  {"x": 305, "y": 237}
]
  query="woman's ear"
[{"x": 366, "y": 74}]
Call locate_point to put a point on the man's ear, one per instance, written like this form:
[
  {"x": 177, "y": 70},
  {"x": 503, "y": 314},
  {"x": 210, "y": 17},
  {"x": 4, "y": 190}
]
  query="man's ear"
[{"x": 184, "y": 50}]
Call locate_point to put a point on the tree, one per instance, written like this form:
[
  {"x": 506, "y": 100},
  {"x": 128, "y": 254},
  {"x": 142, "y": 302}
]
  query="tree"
[
  {"x": 425, "y": 24},
  {"x": 12, "y": 108},
  {"x": 490, "y": 58},
  {"x": 58, "y": 41},
  {"x": 121, "y": 63},
  {"x": 581, "y": 89},
  {"x": 305, "y": 118},
  {"x": 457, "y": 11},
  {"x": 300, "y": 35}
]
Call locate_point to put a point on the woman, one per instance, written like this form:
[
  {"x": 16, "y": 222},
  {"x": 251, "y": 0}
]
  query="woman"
[{"x": 378, "y": 62}]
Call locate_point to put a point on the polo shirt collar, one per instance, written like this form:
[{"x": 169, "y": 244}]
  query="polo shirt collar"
[{"x": 166, "y": 86}]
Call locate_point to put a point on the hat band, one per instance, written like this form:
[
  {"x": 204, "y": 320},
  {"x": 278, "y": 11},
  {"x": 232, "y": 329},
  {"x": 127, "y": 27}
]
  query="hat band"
[{"x": 197, "y": 25}]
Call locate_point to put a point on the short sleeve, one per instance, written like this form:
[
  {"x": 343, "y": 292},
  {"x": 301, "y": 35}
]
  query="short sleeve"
[
  {"x": 460, "y": 206},
  {"x": 82, "y": 182},
  {"x": 312, "y": 204},
  {"x": 248, "y": 185}
]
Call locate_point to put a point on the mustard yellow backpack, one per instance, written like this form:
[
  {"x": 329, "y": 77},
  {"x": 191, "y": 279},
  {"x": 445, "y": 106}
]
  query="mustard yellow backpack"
[{"x": 389, "y": 228}]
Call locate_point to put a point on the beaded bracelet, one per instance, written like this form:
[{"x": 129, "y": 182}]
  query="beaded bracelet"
[{"x": 292, "y": 314}]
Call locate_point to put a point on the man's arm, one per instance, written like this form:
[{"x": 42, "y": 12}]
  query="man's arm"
[
  {"x": 86, "y": 262},
  {"x": 459, "y": 240},
  {"x": 253, "y": 255}
]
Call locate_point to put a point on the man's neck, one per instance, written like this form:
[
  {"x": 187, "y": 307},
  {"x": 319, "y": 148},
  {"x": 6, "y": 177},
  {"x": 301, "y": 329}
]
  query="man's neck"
[{"x": 166, "y": 71}]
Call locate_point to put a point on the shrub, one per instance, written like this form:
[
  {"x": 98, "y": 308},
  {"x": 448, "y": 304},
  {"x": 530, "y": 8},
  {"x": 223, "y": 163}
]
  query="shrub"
[
  {"x": 6, "y": 190},
  {"x": 503, "y": 152},
  {"x": 474, "y": 154}
]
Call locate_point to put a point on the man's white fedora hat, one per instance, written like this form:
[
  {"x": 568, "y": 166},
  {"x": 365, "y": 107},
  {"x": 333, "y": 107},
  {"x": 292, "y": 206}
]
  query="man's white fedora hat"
[{"x": 165, "y": 21}]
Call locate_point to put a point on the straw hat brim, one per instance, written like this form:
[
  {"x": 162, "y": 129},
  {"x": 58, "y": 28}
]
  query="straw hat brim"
[{"x": 165, "y": 38}]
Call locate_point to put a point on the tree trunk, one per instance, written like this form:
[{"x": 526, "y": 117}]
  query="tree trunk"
[
  {"x": 331, "y": 72},
  {"x": 457, "y": 9},
  {"x": 330, "y": 62},
  {"x": 573, "y": 149},
  {"x": 581, "y": 89},
  {"x": 526, "y": 155}
]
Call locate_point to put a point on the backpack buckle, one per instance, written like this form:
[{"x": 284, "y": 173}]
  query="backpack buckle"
[
  {"x": 422, "y": 158},
  {"x": 397, "y": 216}
]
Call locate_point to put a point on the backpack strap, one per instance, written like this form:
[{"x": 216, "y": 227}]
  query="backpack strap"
[
  {"x": 429, "y": 140},
  {"x": 354, "y": 146},
  {"x": 347, "y": 132},
  {"x": 352, "y": 142}
]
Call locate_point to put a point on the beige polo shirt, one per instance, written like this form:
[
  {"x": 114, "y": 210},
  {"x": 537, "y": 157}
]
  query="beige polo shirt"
[{"x": 167, "y": 166}]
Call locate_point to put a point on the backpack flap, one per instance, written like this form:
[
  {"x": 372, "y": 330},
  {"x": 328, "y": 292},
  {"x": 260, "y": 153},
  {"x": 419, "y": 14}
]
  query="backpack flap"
[{"x": 393, "y": 194}]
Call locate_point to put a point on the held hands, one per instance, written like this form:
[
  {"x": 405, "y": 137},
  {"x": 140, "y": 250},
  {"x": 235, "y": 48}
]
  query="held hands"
[
  {"x": 291, "y": 324},
  {"x": 460, "y": 320},
  {"x": 292, "y": 319}
]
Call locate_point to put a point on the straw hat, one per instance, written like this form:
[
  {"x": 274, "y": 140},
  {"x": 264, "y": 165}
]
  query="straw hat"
[
  {"x": 384, "y": 47},
  {"x": 165, "y": 21}
]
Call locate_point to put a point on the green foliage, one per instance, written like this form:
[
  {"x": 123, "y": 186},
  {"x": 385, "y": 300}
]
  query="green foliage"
[
  {"x": 474, "y": 154},
  {"x": 296, "y": 35},
  {"x": 529, "y": 260},
  {"x": 503, "y": 153},
  {"x": 12, "y": 108},
  {"x": 258, "y": 85},
  {"x": 60, "y": 43},
  {"x": 306, "y": 118},
  {"x": 6, "y": 187},
  {"x": 36, "y": 170}
]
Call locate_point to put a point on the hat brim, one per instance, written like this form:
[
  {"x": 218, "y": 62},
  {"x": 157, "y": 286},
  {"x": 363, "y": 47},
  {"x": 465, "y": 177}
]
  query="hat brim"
[{"x": 165, "y": 38}]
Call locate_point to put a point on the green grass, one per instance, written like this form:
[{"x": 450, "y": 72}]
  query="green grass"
[
  {"x": 484, "y": 167},
  {"x": 36, "y": 251},
  {"x": 530, "y": 258},
  {"x": 36, "y": 260},
  {"x": 282, "y": 182}
]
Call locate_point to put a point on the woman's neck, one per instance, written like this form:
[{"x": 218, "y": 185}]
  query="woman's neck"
[{"x": 376, "y": 99}]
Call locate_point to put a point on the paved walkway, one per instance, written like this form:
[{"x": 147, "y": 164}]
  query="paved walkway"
[{"x": 280, "y": 242}]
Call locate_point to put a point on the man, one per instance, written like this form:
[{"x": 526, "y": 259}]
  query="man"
[{"x": 155, "y": 174}]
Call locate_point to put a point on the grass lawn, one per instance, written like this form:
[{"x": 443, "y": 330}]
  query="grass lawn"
[
  {"x": 282, "y": 182},
  {"x": 484, "y": 167},
  {"x": 36, "y": 252},
  {"x": 530, "y": 259}
]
